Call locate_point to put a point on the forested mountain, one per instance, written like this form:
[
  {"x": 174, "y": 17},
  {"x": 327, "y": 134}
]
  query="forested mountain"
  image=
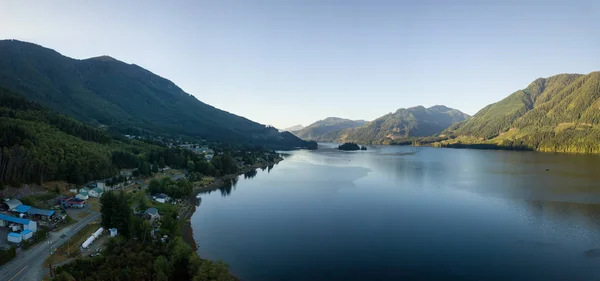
[
  {"x": 293, "y": 128},
  {"x": 560, "y": 113},
  {"x": 124, "y": 97},
  {"x": 402, "y": 126},
  {"x": 319, "y": 129},
  {"x": 38, "y": 145}
]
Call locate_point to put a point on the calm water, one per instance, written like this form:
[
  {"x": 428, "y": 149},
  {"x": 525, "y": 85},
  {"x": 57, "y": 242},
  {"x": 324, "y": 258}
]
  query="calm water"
[{"x": 438, "y": 214}]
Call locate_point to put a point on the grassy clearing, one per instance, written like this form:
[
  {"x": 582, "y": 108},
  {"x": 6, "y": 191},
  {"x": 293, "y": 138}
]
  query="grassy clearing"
[
  {"x": 94, "y": 204},
  {"x": 71, "y": 248}
]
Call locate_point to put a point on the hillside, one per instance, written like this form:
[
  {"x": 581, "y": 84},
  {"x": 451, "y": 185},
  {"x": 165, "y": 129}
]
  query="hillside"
[
  {"x": 320, "y": 129},
  {"x": 38, "y": 145},
  {"x": 560, "y": 113},
  {"x": 124, "y": 97},
  {"x": 402, "y": 126}
]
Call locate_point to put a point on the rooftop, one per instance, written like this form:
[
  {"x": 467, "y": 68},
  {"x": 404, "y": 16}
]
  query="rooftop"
[
  {"x": 151, "y": 211},
  {"x": 12, "y": 234},
  {"x": 22, "y": 208},
  {"x": 26, "y": 231},
  {"x": 36, "y": 211},
  {"x": 14, "y": 219}
]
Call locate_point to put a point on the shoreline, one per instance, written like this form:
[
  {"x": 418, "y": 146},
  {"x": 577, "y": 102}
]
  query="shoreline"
[{"x": 190, "y": 205}]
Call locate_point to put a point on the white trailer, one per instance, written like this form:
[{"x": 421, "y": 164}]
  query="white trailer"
[
  {"x": 88, "y": 242},
  {"x": 98, "y": 232}
]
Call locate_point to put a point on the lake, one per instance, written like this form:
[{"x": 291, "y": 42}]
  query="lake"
[{"x": 411, "y": 213}]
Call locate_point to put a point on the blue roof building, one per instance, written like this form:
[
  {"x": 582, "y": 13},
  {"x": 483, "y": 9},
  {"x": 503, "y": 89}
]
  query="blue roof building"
[
  {"x": 22, "y": 208},
  {"x": 12, "y": 219},
  {"x": 15, "y": 235},
  {"x": 26, "y": 224},
  {"x": 42, "y": 212}
]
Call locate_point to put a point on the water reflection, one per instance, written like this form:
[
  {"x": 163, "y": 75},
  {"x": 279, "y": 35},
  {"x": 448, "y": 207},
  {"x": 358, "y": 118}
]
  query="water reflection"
[
  {"x": 460, "y": 214},
  {"x": 250, "y": 174}
]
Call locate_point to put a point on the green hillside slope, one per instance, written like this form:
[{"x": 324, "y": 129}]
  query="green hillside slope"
[
  {"x": 318, "y": 130},
  {"x": 560, "y": 113},
  {"x": 124, "y": 97},
  {"x": 404, "y": 125}
]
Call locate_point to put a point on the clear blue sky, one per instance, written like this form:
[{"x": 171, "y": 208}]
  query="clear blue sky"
[{"x": 294, "y": 62}]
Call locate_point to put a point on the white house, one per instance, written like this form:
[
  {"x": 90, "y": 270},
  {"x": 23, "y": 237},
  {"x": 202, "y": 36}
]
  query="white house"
[
  {"x": 95, "y": 192},
  {"x": 161, "y": 198},
  {"x": 100, "y": 185},
  {"x": 152, "y": 214}
]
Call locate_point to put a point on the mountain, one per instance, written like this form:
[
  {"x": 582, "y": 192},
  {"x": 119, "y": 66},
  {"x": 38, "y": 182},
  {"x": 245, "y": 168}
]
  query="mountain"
[
  {"x": 560, "y": 113},
  {"x": 403, "y": 126},
  {"x": 293, "y": 128},
  {"x": 124, "y": 97},
  {"x": 319, "y": 129}
]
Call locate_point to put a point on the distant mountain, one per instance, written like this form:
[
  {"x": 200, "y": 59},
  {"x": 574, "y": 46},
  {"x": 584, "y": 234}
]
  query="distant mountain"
[
  {"x": 560, "y": 113},
  {"x": 402, "y": 126},
  {"x": 124, "y": 97},
  {"x": 321, "y": 128},
  {"x": 293, "y": 128}
]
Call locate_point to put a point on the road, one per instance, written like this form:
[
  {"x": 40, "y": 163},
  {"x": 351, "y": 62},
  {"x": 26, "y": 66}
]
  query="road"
[{"x": 28, "y": 265}]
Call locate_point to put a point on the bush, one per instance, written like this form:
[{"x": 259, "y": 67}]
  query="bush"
[{"x": 7, "y": 255}]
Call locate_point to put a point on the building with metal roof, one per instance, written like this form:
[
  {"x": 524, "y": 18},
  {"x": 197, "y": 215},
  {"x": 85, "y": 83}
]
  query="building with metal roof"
[
  {"x": 41, "y": 212},
  {"x": 12, "y": 204},
  {"x": 22, "y": 209},
  {"x": 26, "y": 234},
  {"x": 6, "y": 220}
]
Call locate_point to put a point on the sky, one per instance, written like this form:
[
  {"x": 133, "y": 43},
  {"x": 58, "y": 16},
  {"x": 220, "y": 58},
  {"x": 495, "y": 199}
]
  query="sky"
[{"x": 284, "y": 63}]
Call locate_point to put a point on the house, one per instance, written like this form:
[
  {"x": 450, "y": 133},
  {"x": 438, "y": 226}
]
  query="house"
[
  {"x": 72, "y": 202},
  {"x": 100, "y": 185},
  {"x": 83, "y": 193},
  {"x": 161, "y": 198},
  {"x": 152, "y": 214},
  {"x": 24, "y": 224},
  {"x": 82, "y": 196},
  {"x": 95, "y": 192},
  {"x": 10, "y": 205}
]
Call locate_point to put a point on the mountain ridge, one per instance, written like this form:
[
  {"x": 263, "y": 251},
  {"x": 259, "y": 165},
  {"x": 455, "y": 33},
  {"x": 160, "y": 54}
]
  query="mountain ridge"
[
  {"x": 320, "y": 128},
  {"x": 399, "y": 127},
  {"x": 125, "y": 97},
  {"x": 558, "y": 113}
]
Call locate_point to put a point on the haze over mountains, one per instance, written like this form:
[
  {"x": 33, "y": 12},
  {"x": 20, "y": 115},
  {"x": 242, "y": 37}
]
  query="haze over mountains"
[
  {"x": 560, "y": 113},
  {"x": 317, "y": 130},
  {"x": 124, "y": 97},
  {"x": 401, "y": 126},
  {"x": 293, "y": 128}
]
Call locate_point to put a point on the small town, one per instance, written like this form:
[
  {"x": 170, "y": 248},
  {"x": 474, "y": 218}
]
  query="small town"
[{"x": 64, "y": 223}]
